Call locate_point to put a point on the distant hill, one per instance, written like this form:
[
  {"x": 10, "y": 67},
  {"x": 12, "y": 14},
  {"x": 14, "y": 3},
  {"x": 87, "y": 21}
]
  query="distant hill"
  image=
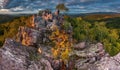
[
  {"x": 100, "y": 16},
  {"x": 96, "y": 15},
  {"x": 111, "y": 18},
  {"x": 7, "y": 17}
]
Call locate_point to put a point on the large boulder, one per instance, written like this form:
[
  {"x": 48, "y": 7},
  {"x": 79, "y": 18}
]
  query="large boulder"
[
  {"x": 94, "y": 57},
  {"x": 28, "y": 36},
  {"x": 109, "y": 63},
  {"x": 14, "y": 56},
  {"x": 88, "y": 57},
  {"x": 88, "y": 50}
]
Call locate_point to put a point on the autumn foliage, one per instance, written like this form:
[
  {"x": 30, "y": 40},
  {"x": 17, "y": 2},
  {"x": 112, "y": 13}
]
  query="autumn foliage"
[{"x": 62, "y": 44}]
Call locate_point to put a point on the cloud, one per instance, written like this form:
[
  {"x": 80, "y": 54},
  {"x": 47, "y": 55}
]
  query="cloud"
[
  {"x": 4, "y": 10},
  {"x": 82, "y": 7},
  {"x": 86, "y": 0},
  {"x": 75, "y": 6}
]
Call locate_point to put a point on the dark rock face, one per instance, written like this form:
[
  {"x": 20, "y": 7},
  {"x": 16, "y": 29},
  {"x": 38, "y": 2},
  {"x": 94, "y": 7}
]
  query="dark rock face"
[{"x": 14, "y": 56}]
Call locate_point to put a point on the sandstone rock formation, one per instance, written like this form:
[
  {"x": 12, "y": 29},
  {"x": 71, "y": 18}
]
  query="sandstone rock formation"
[
  {"x": 94, "y": 57},
  {"x": 28, "y": 36},
  {"x": 109, "y": 63},
  {"x": 14, "y": 56}
]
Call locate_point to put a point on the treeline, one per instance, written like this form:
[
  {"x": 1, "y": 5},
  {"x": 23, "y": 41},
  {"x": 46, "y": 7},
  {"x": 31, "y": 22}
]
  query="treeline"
[
  {"x": 7, "y": 18},
  {"x": 111, "y": 22},
  {"x": 94, "y": 32}
]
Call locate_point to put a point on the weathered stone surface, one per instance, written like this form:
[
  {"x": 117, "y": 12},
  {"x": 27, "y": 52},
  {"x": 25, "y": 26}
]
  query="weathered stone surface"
[
  {"x": 95, "y": 58},
  {"x": 109, "y": 63},
  {"x": 81, "y": 45},
  {"x": 28, "y": 36},
  {"x": 90, "y": 51},
  {"x": 88, "y": 56},
  {"x": 14, "y": 56}
]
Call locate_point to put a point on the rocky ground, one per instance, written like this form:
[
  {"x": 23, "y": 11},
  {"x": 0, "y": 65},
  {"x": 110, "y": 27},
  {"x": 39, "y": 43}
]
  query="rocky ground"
[{"x": 15, "y": 56}]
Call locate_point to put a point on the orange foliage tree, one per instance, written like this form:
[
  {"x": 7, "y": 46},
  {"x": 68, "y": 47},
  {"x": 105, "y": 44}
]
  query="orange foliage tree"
[{"x": 62, "y": 44}]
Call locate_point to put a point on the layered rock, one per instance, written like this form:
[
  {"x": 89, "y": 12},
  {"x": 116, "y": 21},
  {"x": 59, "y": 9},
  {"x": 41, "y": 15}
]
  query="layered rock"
[
  {"x": 109, "y": 63},
  {"x": 94, "y": 57},
  {"x": 14, "y": 56}
]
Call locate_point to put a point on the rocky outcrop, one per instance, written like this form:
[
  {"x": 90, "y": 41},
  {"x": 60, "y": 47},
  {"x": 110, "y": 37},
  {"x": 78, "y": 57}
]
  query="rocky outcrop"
[
  {"x": 88, "y": 56},
  {"x": 94, "y": 57},
  {"x": 88, "y": 50},
  {"x": 14, "y": 56},
  {"x": 109, "y": 63},
  {"x": 28, "y": 36}
]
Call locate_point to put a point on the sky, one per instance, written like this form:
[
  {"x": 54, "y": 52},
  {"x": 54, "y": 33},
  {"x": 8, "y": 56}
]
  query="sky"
[{"x": 75, "y": 6}]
